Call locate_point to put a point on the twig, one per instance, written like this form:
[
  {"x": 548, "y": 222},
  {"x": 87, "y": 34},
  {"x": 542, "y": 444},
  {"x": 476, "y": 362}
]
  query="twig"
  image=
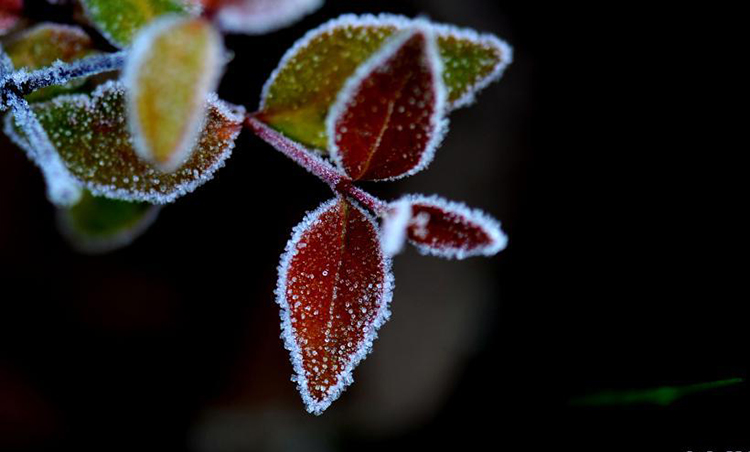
[{"x": 321, "y": 168}]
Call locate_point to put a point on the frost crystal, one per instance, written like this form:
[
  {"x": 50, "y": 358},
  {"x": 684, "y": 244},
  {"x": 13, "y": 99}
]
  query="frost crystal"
[
  {"x": 62, "y": 188},
  {"x": 91, "y": 136},
  {"x": 395, "y": 223},
  {"x": 48, "y": 44},
  {"x": 6, "y": 65},
  {"x": 334, "y": 288},
  {"x": 389, "y": 118}
]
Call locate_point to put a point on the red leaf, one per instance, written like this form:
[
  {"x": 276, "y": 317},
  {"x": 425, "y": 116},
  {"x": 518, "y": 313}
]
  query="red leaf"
[
  {"x": 334, "y": 288},
  {"x": 442, "y": 228},
  {"x": 389, "y": 117},
  {"x": 10, "y": 13},
  {"x": 257, "y": 16}
]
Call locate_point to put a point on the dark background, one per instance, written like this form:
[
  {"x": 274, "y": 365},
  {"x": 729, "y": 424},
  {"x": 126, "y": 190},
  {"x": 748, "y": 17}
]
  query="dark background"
[{"x": 599, "y": 150}]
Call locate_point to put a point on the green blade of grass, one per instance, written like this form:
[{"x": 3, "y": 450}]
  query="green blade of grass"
[{"x": 663, "y": 396}]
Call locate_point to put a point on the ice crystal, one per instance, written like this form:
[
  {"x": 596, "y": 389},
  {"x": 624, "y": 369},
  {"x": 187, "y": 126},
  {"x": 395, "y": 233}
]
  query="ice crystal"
[
  {"x": 46, "y": 44},
  {"x": 62, "y": 188}
]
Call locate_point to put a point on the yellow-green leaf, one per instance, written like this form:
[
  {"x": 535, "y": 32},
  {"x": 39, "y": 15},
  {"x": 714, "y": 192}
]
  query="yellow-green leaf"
[
  {"x": 173, "y": 65},
  {"x": 298, "y": 96},
  {"x": 42, "y": 45},
  {"x": 92, "y": 137},
  {"x": 99, "y": 225},
  {"x": 120, "y": 20}
]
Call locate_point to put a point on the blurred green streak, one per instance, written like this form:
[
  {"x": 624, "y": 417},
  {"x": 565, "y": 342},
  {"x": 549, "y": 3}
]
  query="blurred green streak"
[{"x": 663, "y": 396}]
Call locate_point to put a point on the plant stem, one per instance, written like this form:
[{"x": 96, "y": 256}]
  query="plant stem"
[
  {"x": 326, "y": 172},
  {"x": 62, "y": 188},
  {"x": 23, "y": 83}
]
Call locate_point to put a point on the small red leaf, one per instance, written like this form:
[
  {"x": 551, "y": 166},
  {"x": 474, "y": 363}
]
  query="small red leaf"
[
  {"x": 258, "y": 16},
  {"x": 390, "y": 116},
  {"x": 334, "y": 288},
  {"x": 10, "y": 13},
  {"x": 441, "y": 228}
]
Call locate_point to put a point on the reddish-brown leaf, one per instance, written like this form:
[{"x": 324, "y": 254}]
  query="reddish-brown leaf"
[
  {"x": 442, "y": 228},
  {"x": 334, "y": 288},
  {"x": 257, "y": 16},
  {"x": 10, "y": 13},
  {"x": 389, "y": 118}
]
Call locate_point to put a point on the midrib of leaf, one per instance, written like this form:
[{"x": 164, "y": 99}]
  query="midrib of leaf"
[
  {"x": 379, "y": 139},
  {"x": 342, "y": 250}
]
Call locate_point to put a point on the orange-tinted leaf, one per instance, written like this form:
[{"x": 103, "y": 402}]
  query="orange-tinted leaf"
[
  {"x": 441, "y": 228},
  {"x": 92, "y": 138},
  {"x": 389, "y": 118},
  {"x": 42, "y": 45},
  {"x": 334, "y": 289},
  {"x": 173, "y": 65}
]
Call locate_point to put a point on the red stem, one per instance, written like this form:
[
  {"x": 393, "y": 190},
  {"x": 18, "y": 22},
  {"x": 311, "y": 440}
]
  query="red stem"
[{"x": 326, "y": 172}]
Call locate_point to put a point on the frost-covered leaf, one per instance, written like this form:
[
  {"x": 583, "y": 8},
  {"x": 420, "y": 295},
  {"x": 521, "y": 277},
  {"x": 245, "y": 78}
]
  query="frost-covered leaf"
[
  {"x": 10, "y": 13},
  {"x": 297, "y": 97},
  {"x": 441, "y": 228},
  {"x": 389, "y": 117},
  {"x": 45, "y": 43},
  {"x": 334, "y": 289},
  {"x": 92, "y": 138},
  {"x": 6, "y": 65},
  {"x": 120, "y": 20},
  {"x": 99, "y": 225},
  {"x": 62, "y": 188},
  {"x": 259, "y": 16},
  {"x": 173, "y": 65}
]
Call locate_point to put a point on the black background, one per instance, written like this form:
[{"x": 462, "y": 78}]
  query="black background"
[{"x": 601, "y": 152}]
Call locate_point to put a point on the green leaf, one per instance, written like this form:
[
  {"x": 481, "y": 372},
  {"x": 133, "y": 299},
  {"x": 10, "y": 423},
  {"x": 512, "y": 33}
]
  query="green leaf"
[
  {"x": 298, "y": 96},
  {"x": 98, "y": 225},
  {"x": 92, "y": 137},
  {"x": 120, "y": 20},
  {"x": 665, "y": 395},
  {"x": 173, "y": 65},
  {"x": 42, "y": 45}
]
